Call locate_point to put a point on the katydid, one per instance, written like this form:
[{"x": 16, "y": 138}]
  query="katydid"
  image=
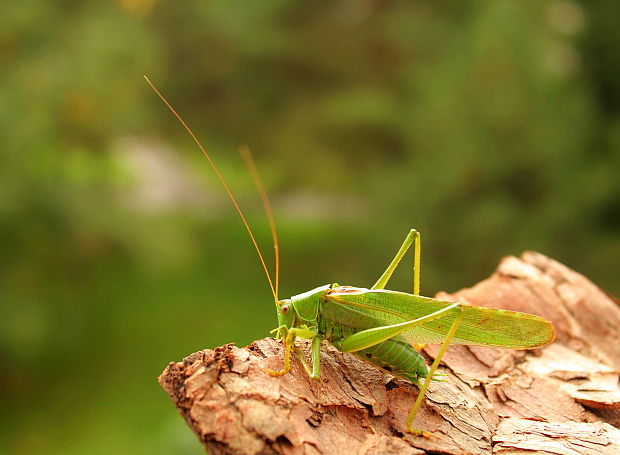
[{"x": 379, "y": 325}]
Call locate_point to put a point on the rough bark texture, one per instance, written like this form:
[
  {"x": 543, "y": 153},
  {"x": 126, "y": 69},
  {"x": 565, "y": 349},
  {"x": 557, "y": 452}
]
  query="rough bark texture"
[{"x": 561, "y": 399}]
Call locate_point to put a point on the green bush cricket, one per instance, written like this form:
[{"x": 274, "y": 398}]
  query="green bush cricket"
[{"x": 379, "y": 325}]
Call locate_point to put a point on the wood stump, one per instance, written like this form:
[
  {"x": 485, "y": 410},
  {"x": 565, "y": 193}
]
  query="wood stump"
[{"x": 560, "y": 399}]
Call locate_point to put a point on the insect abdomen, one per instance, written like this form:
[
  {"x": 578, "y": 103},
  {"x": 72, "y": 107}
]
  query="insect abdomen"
[{"x": 397, "y": 357}]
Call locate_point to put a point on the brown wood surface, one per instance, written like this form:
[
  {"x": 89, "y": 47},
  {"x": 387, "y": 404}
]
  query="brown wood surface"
[{"x": 561, "y": 399}]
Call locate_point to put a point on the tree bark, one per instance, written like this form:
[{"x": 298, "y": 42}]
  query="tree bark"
[{"x": 561, "y": 399}]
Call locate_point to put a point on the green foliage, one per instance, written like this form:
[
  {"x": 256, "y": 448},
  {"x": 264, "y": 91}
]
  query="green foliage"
[{"x": 491, "y": 127}]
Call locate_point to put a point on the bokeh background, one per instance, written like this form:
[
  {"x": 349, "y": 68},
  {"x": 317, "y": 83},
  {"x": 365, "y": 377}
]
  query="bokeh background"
[{"x": 492, "y": 127}]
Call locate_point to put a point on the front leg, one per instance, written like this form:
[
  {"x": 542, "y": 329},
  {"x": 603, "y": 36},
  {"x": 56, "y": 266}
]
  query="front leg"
[{"x": 289, "y": 343}]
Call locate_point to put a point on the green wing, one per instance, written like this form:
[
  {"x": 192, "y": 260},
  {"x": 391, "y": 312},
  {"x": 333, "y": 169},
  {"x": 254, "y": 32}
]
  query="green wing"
[{"x": 363, "y": 308}]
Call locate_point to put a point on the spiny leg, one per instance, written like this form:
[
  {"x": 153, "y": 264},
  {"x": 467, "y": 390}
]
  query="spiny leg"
[
  {"x": 316, "y": 358},
  {"x": 415, "y": 238},
  {"x": 315, "y": 371},
  {"x": 431, "y": 372},
  {"x": 278, "y": 331},
  {"x": 289, "y": 343},
  {"x": 370, "y": 337},
  {"x": 303, "y": 361},
  {"x": 412, "y": 237}
]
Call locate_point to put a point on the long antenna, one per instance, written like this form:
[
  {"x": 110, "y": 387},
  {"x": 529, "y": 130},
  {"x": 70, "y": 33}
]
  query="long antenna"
[
  {"x": 221, "y": 179},
  {"x": 251, "y": 165}
]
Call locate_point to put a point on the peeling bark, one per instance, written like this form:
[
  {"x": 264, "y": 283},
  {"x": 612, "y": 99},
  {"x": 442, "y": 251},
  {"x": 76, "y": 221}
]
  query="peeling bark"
[{"x": 561, "y": 399}]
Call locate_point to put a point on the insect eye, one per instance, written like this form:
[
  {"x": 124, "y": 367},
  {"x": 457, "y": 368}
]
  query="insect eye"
[{"x": 284, "y": 309}]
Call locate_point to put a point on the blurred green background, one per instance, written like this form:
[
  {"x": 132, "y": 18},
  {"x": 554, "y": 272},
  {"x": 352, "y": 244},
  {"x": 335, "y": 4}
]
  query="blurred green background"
[{"x": 492, "y": 127}]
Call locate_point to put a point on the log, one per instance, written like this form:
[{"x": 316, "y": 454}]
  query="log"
[{"x": 560, "y": 399}]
